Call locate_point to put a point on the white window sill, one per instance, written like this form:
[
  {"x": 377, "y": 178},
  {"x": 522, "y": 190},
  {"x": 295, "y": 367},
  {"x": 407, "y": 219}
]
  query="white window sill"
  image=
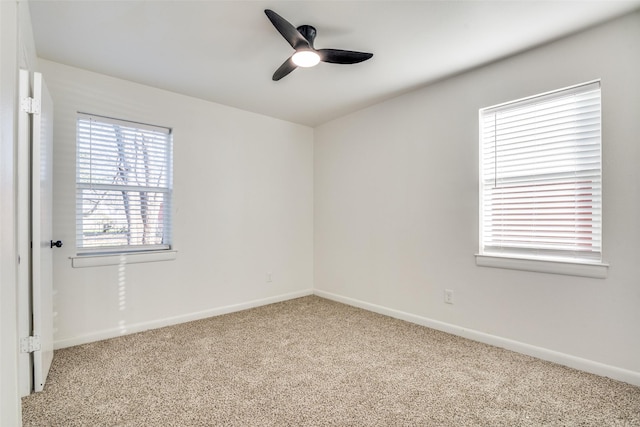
[
  {"x": 594, "y": 270},
  {"x": 82, "y": 261}
]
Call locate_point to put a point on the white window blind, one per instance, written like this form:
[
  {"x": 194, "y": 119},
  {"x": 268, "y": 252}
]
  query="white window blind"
[
  {"x": 540, "y": 177},
  {"x": 123, "y": 186}
]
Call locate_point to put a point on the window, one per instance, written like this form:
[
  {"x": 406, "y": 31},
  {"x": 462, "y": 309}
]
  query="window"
[
  {"x": 540, "y": 177},
  {"x": 123, "y": 186}
]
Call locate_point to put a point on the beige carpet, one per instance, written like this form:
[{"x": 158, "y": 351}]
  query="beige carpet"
[{"x": 315, "y": 362}]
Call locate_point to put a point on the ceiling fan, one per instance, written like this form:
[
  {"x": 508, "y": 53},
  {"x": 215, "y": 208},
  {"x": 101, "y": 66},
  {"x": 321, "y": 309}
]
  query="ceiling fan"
[{"x": 305, "y": 55}]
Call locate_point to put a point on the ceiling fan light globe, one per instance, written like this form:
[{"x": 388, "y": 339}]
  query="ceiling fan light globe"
[{"x": 305, "y": 58}]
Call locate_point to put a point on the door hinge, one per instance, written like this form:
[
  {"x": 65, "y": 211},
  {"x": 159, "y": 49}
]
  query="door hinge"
[
  {"x": 30, "y": 105},
  {"x": 30, "y": 344}
]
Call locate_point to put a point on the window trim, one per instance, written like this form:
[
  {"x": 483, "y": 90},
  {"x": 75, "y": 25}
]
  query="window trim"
[
  {"x": 82, "y": 261},
  {"x": 105, "y": 255},
  {"x": 595, "y": 268}
]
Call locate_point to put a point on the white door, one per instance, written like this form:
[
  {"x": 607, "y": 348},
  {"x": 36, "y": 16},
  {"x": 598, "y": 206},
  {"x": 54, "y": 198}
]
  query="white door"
[{"x": 41, "y": 231}]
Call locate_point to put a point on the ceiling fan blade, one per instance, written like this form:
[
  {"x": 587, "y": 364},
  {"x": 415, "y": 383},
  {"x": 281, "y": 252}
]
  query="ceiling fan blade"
[
  {"x": 286, "y": 67},
  {"x": 288, "y": 31},
  {"x": 337, "y": 56}
]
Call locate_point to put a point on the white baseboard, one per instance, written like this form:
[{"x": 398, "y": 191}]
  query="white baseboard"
[
  {"x": 168, "y": 321},
  {"x": 581, "y": 364}
]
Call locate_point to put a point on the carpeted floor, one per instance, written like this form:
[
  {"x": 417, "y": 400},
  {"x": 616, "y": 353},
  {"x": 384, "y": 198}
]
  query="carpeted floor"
[{"x": 315, "y": 362}]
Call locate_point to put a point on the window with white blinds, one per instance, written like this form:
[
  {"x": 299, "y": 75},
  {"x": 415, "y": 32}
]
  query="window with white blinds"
[
  {"x": 123, "y": 186},
  {"x": 541, "y": 177}
]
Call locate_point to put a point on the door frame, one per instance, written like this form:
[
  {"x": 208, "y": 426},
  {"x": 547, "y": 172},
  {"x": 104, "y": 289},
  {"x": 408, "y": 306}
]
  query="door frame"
[{"x": 25, "y": 366}]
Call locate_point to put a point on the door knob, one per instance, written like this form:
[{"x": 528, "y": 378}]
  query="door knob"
[{"x": 57, "y": 244}]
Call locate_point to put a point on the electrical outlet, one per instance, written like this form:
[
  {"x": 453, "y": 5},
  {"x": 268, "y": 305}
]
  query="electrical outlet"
[
  {"x": 448, "y": 296},
  {"x": 269, "y": 277}
]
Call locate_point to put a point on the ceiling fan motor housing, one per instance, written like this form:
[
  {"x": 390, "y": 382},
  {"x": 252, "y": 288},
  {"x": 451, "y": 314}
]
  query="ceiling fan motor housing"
[{"x": 308, "y": 32}]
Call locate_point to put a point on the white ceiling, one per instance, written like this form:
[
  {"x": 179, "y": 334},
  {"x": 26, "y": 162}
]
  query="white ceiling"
[{"x": 227, "y": 51}]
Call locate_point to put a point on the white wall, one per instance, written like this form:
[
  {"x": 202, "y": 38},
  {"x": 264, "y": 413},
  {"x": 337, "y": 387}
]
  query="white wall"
[
  {"x": 396, "y": 210},
  {"x": 17, "y": 50},
  {"x": 243, "y": 205},
  {"x": 9, "y": 391}
]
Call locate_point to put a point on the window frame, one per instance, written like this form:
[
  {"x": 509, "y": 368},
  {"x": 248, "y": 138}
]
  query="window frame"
[
  {"x": 130, "y": 252},
  {"x": 523, "y": 258}
]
